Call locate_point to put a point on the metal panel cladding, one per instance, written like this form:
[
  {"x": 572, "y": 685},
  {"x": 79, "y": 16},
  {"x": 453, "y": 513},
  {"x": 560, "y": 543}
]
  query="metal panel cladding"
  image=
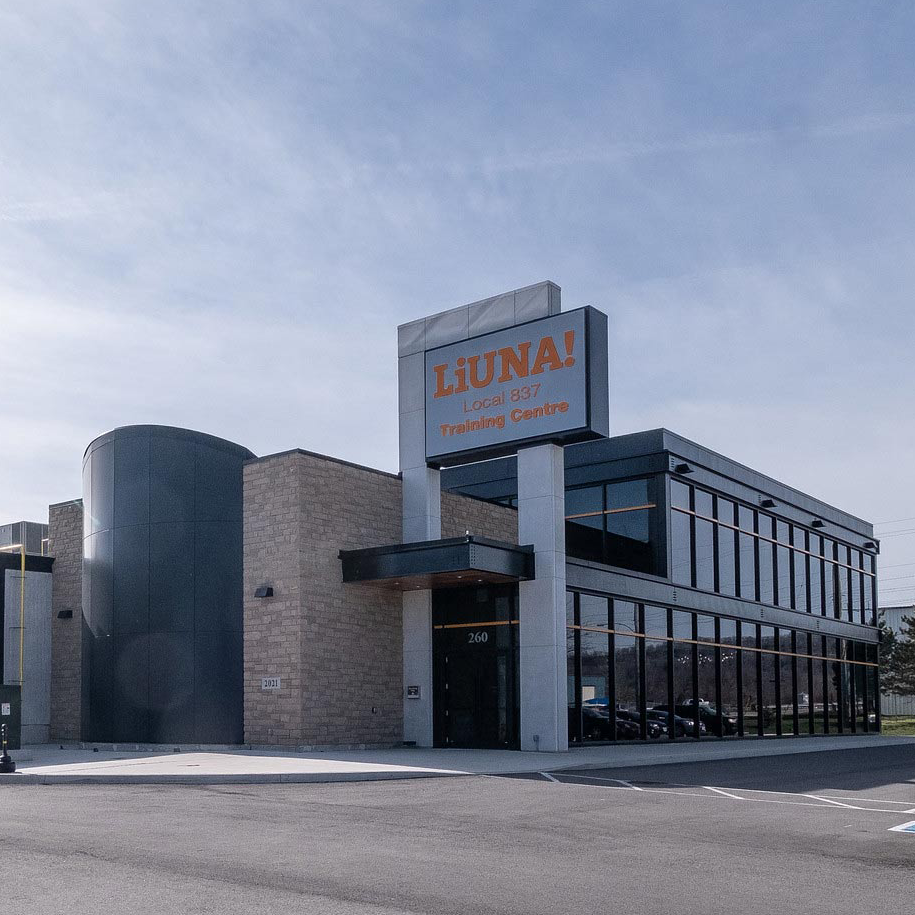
[
  {"x": 162, "y": 587},
  {"x": 545, "y": 380}
]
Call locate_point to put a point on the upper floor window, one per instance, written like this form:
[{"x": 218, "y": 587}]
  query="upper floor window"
[
  {"x": 613, "y": 523},
  {"x": 717, "y": 544}
]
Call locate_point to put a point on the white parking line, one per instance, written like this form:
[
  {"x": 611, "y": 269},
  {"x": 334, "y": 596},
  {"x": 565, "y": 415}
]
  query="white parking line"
[
  {"x": 811, "y": 800},
  {"x": 736, "y": 797},
  {"x": 817, "y": 797},
  {"x": 550, "y": 778},
  {"x": 873, "y": 800},
  {"x": 904, "y": 827}
]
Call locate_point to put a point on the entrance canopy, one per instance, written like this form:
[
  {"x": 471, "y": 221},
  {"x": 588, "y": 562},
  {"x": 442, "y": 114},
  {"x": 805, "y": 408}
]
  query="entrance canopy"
[{"x": 455, "y": 563}]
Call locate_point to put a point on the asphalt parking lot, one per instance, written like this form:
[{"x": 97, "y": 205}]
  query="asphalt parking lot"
[{"x": 805, "y": 833}]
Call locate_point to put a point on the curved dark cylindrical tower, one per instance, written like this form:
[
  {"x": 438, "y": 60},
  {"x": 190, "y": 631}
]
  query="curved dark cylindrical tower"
[{"x": 162, "y": 587}]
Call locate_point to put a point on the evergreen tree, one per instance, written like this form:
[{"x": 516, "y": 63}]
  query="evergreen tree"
[{"x": 898, "y": 674}]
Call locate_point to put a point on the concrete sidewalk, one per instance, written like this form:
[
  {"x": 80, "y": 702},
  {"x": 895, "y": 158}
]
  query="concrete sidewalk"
[{"x": 53, "y": 765}]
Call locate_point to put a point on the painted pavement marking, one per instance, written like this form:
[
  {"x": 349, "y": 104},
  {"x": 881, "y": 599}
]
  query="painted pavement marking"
[{"x": 810, "y": 800}]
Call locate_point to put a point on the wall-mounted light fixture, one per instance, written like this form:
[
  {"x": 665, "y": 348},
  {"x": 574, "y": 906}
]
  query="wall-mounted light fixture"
[
  {"x": 767, "y": 503},
  {"x": 264, "y": 591},
  {"x": 817, "y": 522},
  {"x": 870, "y": 545},
  {"x": 65, "y": 614},
  {"x": 682, "y": 468}
]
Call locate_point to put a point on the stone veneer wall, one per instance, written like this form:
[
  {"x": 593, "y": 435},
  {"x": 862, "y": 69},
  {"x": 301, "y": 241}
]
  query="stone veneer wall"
[
  {"x": 336, "y": 648},
  {"x": 485, "y": 519},
  {"x": 65, "y": 544}
]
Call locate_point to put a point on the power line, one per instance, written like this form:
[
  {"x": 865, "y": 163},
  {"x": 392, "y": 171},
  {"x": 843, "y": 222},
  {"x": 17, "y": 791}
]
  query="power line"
[
  {"x": 910, "y": 530},
  {"x": 897, "y": 521},
  {"x": 909, "y": 588},
  {"x": 897, "y": 565}
]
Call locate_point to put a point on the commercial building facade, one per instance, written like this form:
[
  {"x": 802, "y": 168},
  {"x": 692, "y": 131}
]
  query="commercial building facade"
[
  {"x": 700, "y": 586},
  {"x": 570, "y": 588}
]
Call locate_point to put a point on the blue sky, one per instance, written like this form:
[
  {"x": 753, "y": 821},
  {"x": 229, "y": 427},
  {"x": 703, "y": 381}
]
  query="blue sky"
[{"x": 214, "y": 215}]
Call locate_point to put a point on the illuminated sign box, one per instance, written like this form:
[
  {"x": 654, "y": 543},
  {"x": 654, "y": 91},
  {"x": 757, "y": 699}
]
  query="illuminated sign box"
[{"x": 544, "y": 381}]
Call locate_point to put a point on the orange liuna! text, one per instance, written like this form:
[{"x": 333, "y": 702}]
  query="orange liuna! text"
[{"x": 479, "y": 371}]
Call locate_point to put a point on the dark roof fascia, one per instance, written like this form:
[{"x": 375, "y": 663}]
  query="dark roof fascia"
[
  {"x": 726, "y": 467},
  {"x": 607, "y": 580},
  {"x": 418, "y": 545},
  {"x": 653, "y": 451},
  {"x": 33, "y": 563}
]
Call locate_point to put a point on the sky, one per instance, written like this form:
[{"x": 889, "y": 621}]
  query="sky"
[{"x": 215, "y": 215}]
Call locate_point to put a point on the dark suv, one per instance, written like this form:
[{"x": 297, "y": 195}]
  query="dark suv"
[
  {"x": 708, "y": 716},
  {"x": 682, "y": 727}
]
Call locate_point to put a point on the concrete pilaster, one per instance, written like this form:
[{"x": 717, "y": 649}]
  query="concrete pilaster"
[
  {"x": 542, "y": 636},
  {"x": 421, "y": 484}
]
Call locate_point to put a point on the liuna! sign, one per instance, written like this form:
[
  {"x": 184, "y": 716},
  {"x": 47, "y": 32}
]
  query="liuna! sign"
[{"x": 541, "y": 381}]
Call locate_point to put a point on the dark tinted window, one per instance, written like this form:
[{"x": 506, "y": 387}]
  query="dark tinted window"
[
  {"x": 727, "y": 550},
  {"x": 629, "y": 511},
  {"x": 585, "y": 523},
  {"x": 679, "y": 494},
  {"x": 626, "y": 657},
  {"x": 703, "y": 503},
  {"x": 800, "y": 570},
  {"x": 705, "y": 555},
  {"x": 680, "y": 548},
  {"x": 766, "y": 572}
]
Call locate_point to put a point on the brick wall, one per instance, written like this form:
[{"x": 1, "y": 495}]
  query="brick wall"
[
  {"x": 65, "y": 533},
  {"x": 336, "y": 648},
  {"x": 485, "y": 519},
  {"x": 272, "y": 626}
]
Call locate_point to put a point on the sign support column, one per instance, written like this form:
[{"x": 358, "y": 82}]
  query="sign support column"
[
  {"x": 422, "y": 520},
  {"x": 542, "y": 629}
]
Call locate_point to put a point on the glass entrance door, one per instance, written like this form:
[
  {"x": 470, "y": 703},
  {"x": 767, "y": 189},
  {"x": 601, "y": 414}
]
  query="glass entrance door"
[{"x": 475, "y": 667}]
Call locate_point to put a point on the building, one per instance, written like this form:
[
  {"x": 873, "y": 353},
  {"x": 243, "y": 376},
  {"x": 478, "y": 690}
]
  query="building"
[
  {"x": 30, "y": 534},
  {"x": 693, "y": 579},
  {"x": 890, "y": 703},
  {"x": 523, "y": 582},
  {"x": 25, "y": 623}
]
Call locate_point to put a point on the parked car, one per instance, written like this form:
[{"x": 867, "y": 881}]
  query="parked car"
[
  {"x": 595, "y": 724},
  {"x": 683, "y": 727},
  {"x": 708, "y": 716},
  {"x": 628, "y": 724},
  {"x": 654, "y": 729}
]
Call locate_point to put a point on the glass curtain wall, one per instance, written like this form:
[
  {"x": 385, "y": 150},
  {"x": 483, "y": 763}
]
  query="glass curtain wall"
[
  {"x": 640, "y": 671},
  {"x": 615, "y": 523},
  {"x": 720, "y": 545}
]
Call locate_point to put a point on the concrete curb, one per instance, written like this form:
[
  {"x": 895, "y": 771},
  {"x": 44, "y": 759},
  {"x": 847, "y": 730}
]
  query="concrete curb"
[
  {"x": 547, "y": 763},
  {"x": 266, "y": 778}
]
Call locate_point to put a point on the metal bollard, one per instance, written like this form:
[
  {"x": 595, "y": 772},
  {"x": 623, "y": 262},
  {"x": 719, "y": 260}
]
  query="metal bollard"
[{"x": 6, "y": 761}]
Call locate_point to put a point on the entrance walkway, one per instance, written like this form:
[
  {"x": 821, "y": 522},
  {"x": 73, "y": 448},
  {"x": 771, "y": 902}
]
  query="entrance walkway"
[{"x": 230, "y": 765}]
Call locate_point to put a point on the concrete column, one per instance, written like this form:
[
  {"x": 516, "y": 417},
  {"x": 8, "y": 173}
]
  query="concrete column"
[
  {"x": 542, "y": 628},
  {"x": 422, "y": 520},
  {"x": 422, "y": 498}
]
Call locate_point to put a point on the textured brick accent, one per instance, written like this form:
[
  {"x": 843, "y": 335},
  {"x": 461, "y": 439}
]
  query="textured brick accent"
[
  {"x": 65, "y": 544},
  {"x": 485, "y": 519},
  {"x": 337, "y": 649}
]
